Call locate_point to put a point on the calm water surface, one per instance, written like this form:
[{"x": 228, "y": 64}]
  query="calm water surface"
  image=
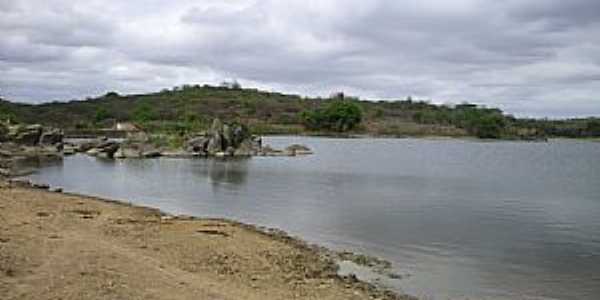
[{"x": 460, "y": 219}]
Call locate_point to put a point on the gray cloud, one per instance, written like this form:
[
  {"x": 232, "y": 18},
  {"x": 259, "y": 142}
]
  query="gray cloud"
[{"x": 534, "y": 57}]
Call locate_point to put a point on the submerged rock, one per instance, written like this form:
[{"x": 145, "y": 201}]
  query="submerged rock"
[
  {"x": 298, "y": 149},
  {"x": 269, "y": 151},
  {"x": 151, "y": 154},
  {"x": 180, "y": 154}
]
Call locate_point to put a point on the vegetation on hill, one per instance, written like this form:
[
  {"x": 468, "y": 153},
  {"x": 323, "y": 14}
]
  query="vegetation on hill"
[
  {"x": 191, "y": 108},
  {"x": 338, "y": 116}
]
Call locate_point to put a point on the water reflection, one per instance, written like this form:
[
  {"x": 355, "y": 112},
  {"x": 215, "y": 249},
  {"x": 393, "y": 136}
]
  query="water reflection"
[
  {"x": 27, "y": 165},
  {"x": 223, "y": 171}
]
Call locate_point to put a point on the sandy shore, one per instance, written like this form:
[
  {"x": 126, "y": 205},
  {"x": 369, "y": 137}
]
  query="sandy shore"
[{"x": 59, "y": 246}]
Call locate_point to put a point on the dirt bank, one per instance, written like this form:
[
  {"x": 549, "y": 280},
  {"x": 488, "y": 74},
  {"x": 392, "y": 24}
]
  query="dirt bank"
[{"x": 58, "y": 246}]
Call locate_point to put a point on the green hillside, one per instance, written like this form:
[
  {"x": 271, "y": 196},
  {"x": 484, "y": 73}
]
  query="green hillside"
[{"x": 190, "y": 108}]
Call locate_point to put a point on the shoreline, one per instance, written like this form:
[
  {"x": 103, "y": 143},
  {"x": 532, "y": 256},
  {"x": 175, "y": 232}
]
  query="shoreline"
[
  {"x": 436, "y": 138},
  {"x": 314, "y": 268}
]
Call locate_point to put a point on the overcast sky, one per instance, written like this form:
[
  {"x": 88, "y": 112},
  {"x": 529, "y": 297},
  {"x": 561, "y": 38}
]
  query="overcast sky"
[{"x": 529, "y": 57}]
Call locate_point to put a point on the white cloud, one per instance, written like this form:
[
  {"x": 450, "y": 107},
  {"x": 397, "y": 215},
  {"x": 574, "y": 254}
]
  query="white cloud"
[{"x": 529, "y": 57}]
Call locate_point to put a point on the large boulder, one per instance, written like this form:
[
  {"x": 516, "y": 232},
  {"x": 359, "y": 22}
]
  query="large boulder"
[
  {"x": 228, "y": 140},
  {"x": 246, "y": 148},
  {"x": 127, "y": 151},
  {"x": 215, "y": 144},
  {"x": 137, "y": 136},
  {"x": 91, "y": 144},
  {"x": 216, "y": 140},
  {"x": 225, "y": 137},
  {"x": 107, "y": 149},
  {"x": 240, "y": 134},
  {"x": 232, "y": 139},
  {"x": 28, "y": 135},
  {"x": 216, "y": 127},
  {"x": 197, "y": 144},
  {"x": 51, "y": 136},
  {"x": 136, "y": 149}
]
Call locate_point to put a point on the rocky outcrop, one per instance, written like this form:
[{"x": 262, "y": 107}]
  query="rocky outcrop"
[
  {"x": 24, "y": 147},
  {"x": 221, "y": 140},
  {"x": 106, "y": 149},
  {"x": 235, "y": 140},
  {"x": 25, "y": 135},
  {"x": 224, "y": 140},
  {"x": 31, "y": 135},
  {"x": 51, "y": 136}
]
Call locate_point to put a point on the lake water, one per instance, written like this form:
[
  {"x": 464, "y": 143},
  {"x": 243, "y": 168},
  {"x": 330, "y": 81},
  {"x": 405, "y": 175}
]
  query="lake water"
[{"x": 460, "y": 219}]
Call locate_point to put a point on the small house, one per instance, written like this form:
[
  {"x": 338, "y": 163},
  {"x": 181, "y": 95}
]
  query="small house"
[{"x": 126, "y": 126}]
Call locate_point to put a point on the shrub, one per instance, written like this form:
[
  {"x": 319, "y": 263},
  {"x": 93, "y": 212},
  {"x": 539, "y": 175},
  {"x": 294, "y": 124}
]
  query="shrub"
[
  {"x": 144, "y": 113},
  {"x": 101, "y": 114},
  {"x": 593, "y": 127},
  {"x": 6, "y": 114},
  {"x": 338, "y": 115},
  {"x": 489, "y": 126}
]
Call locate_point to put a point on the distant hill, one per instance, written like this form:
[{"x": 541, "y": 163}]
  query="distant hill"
[{"x": 192, "y": 107}]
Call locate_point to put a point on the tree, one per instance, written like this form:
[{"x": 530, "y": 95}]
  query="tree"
[
  {"x": 101, "y": 114},
  {"x": 144, "y": 113},
  {"x": 593, "y": 127},
  {"x": 486, "y": 126},
  {"x": 111, "y": 95},
  {"x": 235, "y": 85},
  {"x": 338, "y": 116},
  {"x": 7, "y": 115}
]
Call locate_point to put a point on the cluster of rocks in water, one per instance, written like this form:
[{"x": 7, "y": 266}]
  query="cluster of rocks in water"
[
  {"x": 222, "y": 140},
  {"x": 35, "y": 142}
]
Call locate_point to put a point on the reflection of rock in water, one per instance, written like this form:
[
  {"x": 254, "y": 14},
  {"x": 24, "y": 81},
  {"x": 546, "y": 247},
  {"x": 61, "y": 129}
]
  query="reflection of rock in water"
[
  {"x": 229, "y": 171},
  {"x": 27, "y": 165}
]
